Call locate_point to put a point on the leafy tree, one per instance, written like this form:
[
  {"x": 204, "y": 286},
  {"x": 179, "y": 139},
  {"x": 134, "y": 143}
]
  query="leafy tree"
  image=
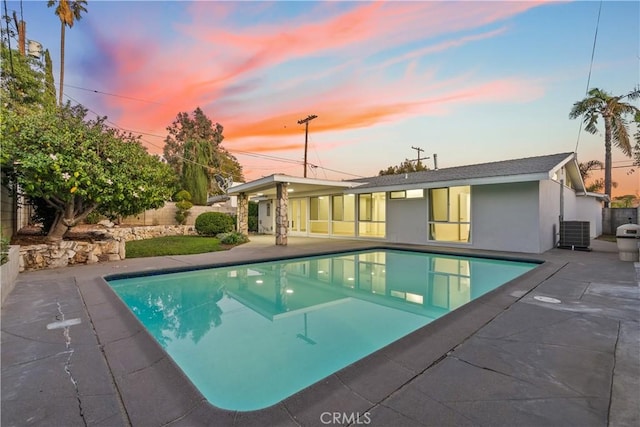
[
  {"x": 405, "y": 167},
  {"x": 636, "y": 149},
  {"x": 625, "y": 201},
  {"x": 49, "y": 98},
  {"x": 601, "y": 105},
  {"x": 22, "y": 81},
  {"x": 79, "y": 166},
  {"x": 193, "y": 149},
  {"x": 585, "y": 172},
  {"x": 68, "y": 11}
]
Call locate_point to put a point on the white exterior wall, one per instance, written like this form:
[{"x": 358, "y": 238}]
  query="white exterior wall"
[
  {"x": 590, "y": 209},
  {"x": 550, "y": 212},
  {"x": 505, "y": 217},
  {"x": 407, "y": 220},
  {"x": 266, "y": 224}
]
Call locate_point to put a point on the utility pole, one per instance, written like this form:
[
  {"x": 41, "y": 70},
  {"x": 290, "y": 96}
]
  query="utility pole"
[
  {"x": 419, "y": 150},
  {"x": 306, "y": 138},
  {"x": 22, "y": 31}
]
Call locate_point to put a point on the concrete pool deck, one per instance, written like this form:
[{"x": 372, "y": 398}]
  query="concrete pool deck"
[{"x": 73, "y": 355}]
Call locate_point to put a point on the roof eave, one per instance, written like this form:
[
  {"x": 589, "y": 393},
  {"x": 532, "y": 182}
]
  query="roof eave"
[{"x": 453, "y": 183}]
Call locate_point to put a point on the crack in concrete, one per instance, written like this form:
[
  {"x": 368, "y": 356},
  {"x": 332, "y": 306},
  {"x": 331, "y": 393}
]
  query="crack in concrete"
[
  {"x": 549, "y": 377},
  {"x": 67, "y": 365},
  {"x": 613, "y": 372}
]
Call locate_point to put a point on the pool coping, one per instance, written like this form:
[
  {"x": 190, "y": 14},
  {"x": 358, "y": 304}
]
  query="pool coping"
[{"x": 140, "y": 367}]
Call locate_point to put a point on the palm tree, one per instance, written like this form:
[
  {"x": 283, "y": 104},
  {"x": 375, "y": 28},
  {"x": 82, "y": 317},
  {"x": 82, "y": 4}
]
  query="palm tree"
[
  {"x": 68, "y": 11},
  {"x": 600, "y": 104}
]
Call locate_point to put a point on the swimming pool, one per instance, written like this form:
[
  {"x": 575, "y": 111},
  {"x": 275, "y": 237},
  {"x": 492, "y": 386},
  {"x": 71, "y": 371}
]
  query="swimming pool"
[{"x": 248, "y": 336}]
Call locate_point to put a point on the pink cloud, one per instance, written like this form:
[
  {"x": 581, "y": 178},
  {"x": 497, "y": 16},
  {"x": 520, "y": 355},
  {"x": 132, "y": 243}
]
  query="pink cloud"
[{"x": 210, "y": 57}]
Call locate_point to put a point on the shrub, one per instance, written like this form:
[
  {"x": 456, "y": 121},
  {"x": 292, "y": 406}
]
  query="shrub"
[
  {"x": 4, "y": 250},
  {"x": 182, "y": 195},
  {"x": 233, "y": 238},
  {"x": 183, "y": 204},
  {"x": 213, "y": 223},
  {"x": 93, "y": 218}
]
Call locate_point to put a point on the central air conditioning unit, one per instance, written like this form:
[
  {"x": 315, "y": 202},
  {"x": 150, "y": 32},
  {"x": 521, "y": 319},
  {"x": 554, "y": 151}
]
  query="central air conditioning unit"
[{"x": 575, "y": 235}]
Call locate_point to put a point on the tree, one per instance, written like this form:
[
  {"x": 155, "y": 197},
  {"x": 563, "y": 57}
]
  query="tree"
[
  {"x": 49, "y": 98},
  {"x": 79, "y": 166},
  {"x": 68, "y": 11},
  {"x": 585, "y": 172},
  {"x": 636, "y": 149},
  {"x": 193, "y": 150},
  {"x": 405, "y": 167},
  {"x": 600, "y": 104},
  {"x": 625, "y": 201},
  {"x": 22, "y": 81}
]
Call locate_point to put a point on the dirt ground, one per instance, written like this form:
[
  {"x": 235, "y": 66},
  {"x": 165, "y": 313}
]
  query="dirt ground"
[{"x": 32, "y": 235}]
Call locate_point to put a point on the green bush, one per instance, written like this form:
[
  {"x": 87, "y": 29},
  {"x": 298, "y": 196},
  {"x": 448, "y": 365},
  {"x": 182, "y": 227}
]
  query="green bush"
[
  {"x": 253, "y": 224},
  {"x": 93, "y": 218},
  {"x": 4, "y": 250},
  {"x": 213, "y": 223},
  {"x": 183, "y": 204},
  {"x": 253, "y": 217},
  {"x": 233, "y": 238},
  {"x": 182, "y": 195}
]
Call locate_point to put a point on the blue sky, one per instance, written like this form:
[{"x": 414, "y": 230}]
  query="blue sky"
[{"x": 471, "y": 81}]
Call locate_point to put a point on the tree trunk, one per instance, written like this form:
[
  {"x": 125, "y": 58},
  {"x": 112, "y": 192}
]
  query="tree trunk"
[
  {"x": 62, "y": 31},
  {"x": 607, "y": 157},
  {"x": 57, "y": 230}
]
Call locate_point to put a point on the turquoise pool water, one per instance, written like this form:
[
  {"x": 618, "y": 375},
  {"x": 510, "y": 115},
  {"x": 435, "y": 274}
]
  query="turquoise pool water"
[{"x": 248, "y": 336}]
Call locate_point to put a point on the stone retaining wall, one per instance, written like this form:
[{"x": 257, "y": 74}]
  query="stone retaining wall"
[{"x": 109, "y": 245}]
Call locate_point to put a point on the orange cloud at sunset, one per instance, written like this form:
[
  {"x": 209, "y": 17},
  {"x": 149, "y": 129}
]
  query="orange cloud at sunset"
[{"x": 182, "y": 76}]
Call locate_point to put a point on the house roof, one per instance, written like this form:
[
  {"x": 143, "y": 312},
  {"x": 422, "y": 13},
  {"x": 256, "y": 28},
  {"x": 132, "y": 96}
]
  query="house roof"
[
  {"x": 518, "y": 170},
  {"x": 506, "y": 171}
]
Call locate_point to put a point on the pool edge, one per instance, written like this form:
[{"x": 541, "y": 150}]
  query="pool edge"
[{"x": 389, "y": 368}]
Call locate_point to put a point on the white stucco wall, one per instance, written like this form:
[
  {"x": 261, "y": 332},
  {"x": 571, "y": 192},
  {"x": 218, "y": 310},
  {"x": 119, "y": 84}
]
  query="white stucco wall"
[
  {"x": 505, "y": 217},
  {"x": 549, "y": 211},
  {"x": 266, "y": 224},
  {"x": 407, "y": 220},
  {"x": 590, "y": 209}
]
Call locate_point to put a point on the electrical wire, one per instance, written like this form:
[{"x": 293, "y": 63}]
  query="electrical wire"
[
  {"x": 593, "y": 51},
  {"x": 115, "y": 95},
  {"x": 240, "y": 152}
]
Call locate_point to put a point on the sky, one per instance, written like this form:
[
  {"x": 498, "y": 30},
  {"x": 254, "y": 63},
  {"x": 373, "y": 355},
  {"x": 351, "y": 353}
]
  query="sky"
[{"x": 470, "y": 81}]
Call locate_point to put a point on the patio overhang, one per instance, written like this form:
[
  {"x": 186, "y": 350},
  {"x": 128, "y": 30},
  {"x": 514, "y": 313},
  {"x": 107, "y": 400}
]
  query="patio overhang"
[{"x": 265, "y": 188}]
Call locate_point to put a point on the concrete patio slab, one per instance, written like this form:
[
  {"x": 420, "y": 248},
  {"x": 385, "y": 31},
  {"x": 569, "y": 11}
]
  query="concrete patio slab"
[{"x": 507, "y": 358}]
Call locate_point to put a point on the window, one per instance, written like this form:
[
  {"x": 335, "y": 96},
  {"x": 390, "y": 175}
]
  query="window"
[
  {"x": 343, "y": 208},
  {"x": 372, "y": 214},
  {"x": 319, "y": 214},
  {"x": 268, "y": 209},
  {"x": 450, "y": 214},
  {"x": 417, "y": 193}
]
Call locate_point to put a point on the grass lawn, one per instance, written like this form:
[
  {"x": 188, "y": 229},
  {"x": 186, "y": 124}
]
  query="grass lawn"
[
  {"x": 173, "y": 245},
  {"x": 607, "y": 238}
]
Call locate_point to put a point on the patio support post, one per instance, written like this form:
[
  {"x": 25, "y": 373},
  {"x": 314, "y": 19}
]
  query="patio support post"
[
  {"x": 282, "y": 221},
  {"x": 242, "y": 221}
]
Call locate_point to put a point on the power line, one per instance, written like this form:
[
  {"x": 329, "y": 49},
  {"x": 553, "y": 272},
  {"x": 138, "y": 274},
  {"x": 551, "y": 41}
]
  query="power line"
[
  {"x": 116, "y": 95},
  {"x": 241, "y": 152},
  {"x": 593, "y": 51}
]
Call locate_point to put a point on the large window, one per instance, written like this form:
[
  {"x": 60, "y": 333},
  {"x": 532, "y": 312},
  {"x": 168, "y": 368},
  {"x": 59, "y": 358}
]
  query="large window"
[
  {"x": 343, "y": 215},
  {"x": 450, "y": 214},
  {"x": 319, "y": 214},
  {"x": 371, "y": 214}
]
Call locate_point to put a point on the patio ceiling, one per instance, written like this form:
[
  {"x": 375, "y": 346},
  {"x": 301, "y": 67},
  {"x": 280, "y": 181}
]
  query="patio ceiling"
[{"x": 266, "y": 187}]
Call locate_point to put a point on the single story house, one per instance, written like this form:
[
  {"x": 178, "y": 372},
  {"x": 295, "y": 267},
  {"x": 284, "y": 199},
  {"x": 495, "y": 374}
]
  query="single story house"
[{"x": 513, "y": 205}]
